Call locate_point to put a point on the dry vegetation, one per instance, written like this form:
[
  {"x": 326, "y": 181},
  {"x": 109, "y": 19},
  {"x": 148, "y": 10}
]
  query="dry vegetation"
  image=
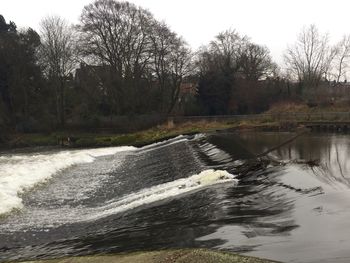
[{"x": 302, "y": 107}]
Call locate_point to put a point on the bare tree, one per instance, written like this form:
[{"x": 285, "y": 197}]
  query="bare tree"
[
  {"x": 171, "y": 62},
  {"x": 309, "y": 59},
  {"x": 180, "y": 67},
  {"x": 227, "y": 48},
  {"x": 163, "y": 41},
  {"x": 117, "y": 34},
  {"x": 256, "y": 62},
  {"x": 223, "y": 53},
  {"x": 139, "y": 51},
  {"x": 58, "y": 57},
  {"x": 218, "y": 66},
  {"x": 342, "y": 57},
  {"x": 229, "y": 70}
]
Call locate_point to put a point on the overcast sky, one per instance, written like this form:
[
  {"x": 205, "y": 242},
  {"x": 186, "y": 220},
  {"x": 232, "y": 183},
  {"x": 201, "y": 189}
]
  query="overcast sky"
[{"x": 274, "y": 23}]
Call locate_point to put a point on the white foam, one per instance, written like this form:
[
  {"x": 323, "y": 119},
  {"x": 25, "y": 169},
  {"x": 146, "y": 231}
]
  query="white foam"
[
  {"x": 163, "y": 191},
  {"x": 21, "y": 172},
  {"x": 165, "y": 143},
  {"x": 43, "y": 218}
]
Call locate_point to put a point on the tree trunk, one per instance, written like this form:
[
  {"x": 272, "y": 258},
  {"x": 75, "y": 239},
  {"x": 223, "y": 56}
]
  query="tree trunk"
[{"x": 62, "y": 104}]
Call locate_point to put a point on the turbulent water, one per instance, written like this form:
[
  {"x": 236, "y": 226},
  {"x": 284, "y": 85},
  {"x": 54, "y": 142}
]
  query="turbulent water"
[{"x": 190, "y": 191}]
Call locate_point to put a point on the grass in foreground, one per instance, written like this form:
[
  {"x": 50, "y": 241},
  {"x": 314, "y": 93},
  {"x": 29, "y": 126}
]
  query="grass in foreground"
[{"x": 166, "y": 256}]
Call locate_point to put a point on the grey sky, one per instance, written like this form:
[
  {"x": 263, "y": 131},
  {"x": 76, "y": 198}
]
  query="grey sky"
[{"x": 274, "y": 23}]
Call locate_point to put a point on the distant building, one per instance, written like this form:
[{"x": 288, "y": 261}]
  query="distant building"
[
  {"x": 188, "y": 88},
  {"x": 87, "y": 73}
]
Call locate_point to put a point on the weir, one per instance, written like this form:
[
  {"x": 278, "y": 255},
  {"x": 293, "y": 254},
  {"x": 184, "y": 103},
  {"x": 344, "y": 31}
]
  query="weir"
[
  {"x": 332, "y": 126},
  {"x": 262, "y": 193}
]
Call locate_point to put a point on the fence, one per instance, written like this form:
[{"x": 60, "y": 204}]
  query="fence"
[{"x": 283, "y": 116}]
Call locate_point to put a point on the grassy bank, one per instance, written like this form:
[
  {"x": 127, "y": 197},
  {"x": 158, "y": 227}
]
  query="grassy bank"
[
  {"x": 167, "y": 256},
  {"x": 281, "y": 117},
  {"x": 161, "y": 132}
]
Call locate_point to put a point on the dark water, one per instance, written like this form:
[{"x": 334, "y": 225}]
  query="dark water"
[{"x": 283, "y": 208}]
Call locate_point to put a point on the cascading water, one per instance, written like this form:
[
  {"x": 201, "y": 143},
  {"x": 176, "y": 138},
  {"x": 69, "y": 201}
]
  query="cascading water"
[{"x": 183, "y": 192}]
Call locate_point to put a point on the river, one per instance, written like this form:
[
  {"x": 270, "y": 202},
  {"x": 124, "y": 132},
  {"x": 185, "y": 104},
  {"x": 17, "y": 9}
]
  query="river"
[{"x": 191, "y": 191}]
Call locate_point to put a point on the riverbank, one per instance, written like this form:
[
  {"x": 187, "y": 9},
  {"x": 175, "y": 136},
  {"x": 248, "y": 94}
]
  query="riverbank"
[
  {"x": 80, "y": 139},
  {"x": 166, "y": 256}
]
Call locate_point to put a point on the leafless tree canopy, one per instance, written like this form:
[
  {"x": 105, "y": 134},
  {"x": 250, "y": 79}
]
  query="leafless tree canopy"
[
  {"x": 341, "y": 59},
  {"x": 116, "y": 33},
  {"x": 237, "y": 53},
  {"x": 58, "y": 57},
  {"x": 170, "y": 62},
  {"x": 58, "y": 46},
  {"x": 230, "y": 71},
  {"x": 256, "y": 62},
  {"x": 310, "y": 58},
  {"x": 139, "y": 50}
]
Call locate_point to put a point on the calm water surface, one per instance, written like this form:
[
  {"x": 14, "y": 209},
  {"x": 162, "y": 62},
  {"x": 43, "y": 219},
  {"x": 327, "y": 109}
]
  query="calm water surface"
[{"x": 166, "y": 195}]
